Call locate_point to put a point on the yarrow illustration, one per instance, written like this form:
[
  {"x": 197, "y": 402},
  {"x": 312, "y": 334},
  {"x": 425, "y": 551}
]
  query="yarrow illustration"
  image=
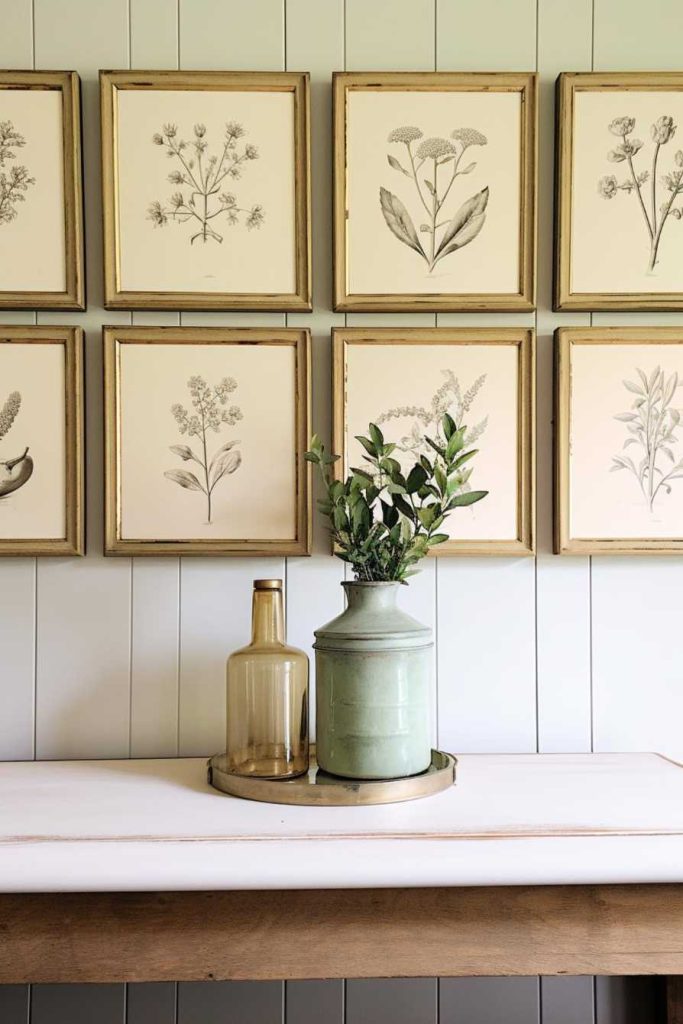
[
  {"x": 652, "y": 422},
  {"x": 15, "y": 181},
  {"x": 449, "y": 400},
  {"x": 655, "y": 205},
  {"x": 211, "y": 411},
  {"x": 201, "y": 196},
  {"x": 444, "y": 234},
  {"x": 15, "y": 472}
]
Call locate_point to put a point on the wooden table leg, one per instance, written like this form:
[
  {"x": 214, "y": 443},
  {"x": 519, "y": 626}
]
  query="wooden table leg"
[{"x": 674, "y": 999}]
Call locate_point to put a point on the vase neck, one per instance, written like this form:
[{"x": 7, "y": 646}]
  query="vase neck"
[{"x": 371, "y": 596}]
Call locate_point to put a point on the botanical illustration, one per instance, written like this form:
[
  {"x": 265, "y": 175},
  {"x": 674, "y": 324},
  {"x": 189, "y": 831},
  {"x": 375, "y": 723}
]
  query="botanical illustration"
[
  {"x": 201, "y": 194},
  {"x": 15, "y": 179},
  {"x": 450, "y": 400},
  {"x": 383, "y": 521},
  {"x": 210, "y": 411},
  {"x": 432, "y": 168},
  {"x": 654, "y": 196},
  {"x": 651, "y": 423},
  {"x": 15, "y": 472}
]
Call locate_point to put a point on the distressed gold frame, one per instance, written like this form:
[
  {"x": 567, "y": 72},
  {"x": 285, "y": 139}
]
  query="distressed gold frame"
[
  {"x": 432, "y": 81},
  {"x": 567, "y": 85},
  {"x": 274, "y": 81},
  {"x": 525, "y": 341},
  {"x": 114, "y": 337},
  {"x": 73, "y": 543},
  {"x": 565, "y": 338},
  {"x": 73, "y": 296}
]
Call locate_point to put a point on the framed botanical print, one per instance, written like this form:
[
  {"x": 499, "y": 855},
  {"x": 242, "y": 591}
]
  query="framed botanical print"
[
  {"x": 41, "y": 441},
  {"x": 405, "y": 379},
  {"x": 619, "y": 204},
  {"x": 205, "y": 434},
  {"x": 618, "y": 440},
  {"x": 434, "y": 191},
  {"x": 206, "y": 190},
  {"x": 41, "y": 198}
]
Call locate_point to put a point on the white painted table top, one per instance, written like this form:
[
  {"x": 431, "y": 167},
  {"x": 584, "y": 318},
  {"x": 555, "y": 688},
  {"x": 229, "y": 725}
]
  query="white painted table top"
[{"x": 518, "y": 819}]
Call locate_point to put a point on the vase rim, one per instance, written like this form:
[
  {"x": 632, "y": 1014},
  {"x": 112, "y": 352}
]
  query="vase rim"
[{"x": 371, "y": 583}]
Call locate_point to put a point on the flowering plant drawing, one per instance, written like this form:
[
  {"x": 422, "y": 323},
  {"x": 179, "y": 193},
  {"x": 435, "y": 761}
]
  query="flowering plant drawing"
[
  {"x": 432, "y": 165},
  {"x": 210, "y": 411},
  {"x": 451, "y": 400},
  {"x": 15, "y": 180},
  {"x": 15, "y": 472},
  {"x": 655, "y": 196},
  {"x": 651, "y": 423},
  {"x": 201, "y": 195}
]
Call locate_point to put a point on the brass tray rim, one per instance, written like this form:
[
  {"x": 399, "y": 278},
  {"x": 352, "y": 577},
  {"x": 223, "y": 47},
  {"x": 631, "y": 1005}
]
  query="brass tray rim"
[{"x": 333, "y": 791}]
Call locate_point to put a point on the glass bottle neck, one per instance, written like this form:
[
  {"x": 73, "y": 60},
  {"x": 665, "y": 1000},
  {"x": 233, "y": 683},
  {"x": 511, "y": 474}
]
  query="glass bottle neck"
[{"x": 267, "y": 618}]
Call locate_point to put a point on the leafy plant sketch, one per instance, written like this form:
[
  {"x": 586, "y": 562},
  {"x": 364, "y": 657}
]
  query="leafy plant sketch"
[
  {"x": 211, "y": 411},
  {"x": 15, "y": 180},
  {"x": 15, "y": 472},
  {"x": 655, "y": 212},
  {"x": 422, "y": 167},
  {"x": 651, "y": 423},
  {"x": 428, "y": 421},
  {"x": 199, "y": 178}
]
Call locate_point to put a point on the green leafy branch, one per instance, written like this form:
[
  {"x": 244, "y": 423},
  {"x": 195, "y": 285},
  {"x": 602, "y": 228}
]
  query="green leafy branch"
[{"x": 382, "y": 521}]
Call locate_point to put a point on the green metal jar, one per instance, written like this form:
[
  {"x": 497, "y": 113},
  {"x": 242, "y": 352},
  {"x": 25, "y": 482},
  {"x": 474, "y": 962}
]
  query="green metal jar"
[{"x": 373, "y": 687}]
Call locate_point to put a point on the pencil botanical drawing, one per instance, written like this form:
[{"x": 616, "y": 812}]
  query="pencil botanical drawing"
[
  {"x": 201, "y": 194},
  {"x": 654, "y": 195},
  {"x": 210, "y": 411},
  {"x": 14, "y": 472},
  {"x": 651, "y": 423},
  {"x": 15, "y": 180},
  {"x": 432, "y": 165}
]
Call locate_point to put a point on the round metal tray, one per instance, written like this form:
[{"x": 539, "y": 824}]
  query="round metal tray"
[{"x": 317, "y": 787}]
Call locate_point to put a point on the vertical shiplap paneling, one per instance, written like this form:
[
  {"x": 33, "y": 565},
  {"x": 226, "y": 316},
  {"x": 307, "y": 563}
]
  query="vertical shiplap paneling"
[
  {"x": 84, "y": 605},
  {"x": 637, "y": 694},
  {"x": 17, "y": 575},
  {"x": 486, "y": 657},
  {"x": 151, "y": 1003},
  {"x": 215, "y": 593},
  {"x": 391, "y": 36},
  {"x": 15, "y": 1005},
  {"x": 315, "y": 43},
  {"x": 155, "y": 596},
  {"x": 230, "y": 1002},
  {"x": 562, "y": 584},
  {"x": 78, "y": 1004},
  {"x": 314, "y": 1002},
  {"x": 485, "y": 1000},
  {"x": 399, "y": 1000},
  {"x": 629, "y": 1000},
  {"x": 567, "y": 1000}
]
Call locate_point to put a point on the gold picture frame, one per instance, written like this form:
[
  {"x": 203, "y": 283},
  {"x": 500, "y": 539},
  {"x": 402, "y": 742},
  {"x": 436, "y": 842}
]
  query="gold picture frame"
[
  {"x": 567, "y": 340},
  {"x": 248, "y": 340},
  {"x": 523, "y": 340},
  {"x": 568, "y": 86},
  {"x": 524, "y": 298},
  {"x": 72, "y": 296},
  {"x": 73, "y": 540},
  {"x": 297, "y": 84}
]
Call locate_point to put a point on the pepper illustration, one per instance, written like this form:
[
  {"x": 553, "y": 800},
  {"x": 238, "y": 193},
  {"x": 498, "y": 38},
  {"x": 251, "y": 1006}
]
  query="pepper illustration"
[{"x": 15, "y": 472}]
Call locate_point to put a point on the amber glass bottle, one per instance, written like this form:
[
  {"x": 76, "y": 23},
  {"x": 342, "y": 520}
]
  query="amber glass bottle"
[{"x": 267, "y": 696}]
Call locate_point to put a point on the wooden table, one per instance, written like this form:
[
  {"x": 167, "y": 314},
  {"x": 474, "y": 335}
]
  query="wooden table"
[{"x": 532, "y": 864}]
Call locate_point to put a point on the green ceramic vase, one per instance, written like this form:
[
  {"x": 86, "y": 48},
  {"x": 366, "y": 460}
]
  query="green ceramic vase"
[{"x": 373, "y": 687}]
